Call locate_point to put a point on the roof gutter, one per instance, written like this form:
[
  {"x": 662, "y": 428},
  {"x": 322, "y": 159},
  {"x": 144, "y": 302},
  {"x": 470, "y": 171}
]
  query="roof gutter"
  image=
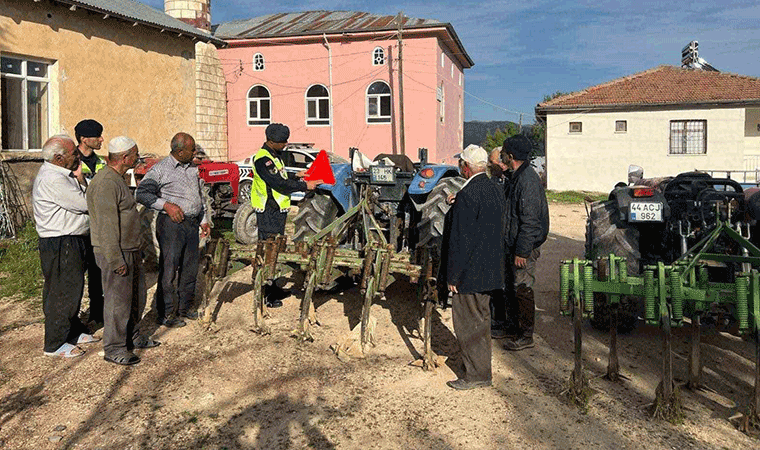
[{"x": 543, "y": 110}]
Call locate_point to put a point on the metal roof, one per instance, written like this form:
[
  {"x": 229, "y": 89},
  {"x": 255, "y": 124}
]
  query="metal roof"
[
  {"x": 319, "y": 22},
  {"x": 144, "y": 14}
]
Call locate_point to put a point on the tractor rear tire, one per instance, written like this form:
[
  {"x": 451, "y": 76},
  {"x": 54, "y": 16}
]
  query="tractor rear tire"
[
  {"x": 606, "y": 233},
  {"x": 434, "y": 211},
  {"x": 315, "y": 212},
  {"x": 244, "y": 224}
]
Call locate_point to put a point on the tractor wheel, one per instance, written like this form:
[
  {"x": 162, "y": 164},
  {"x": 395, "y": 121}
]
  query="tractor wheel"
[
  {"x": 315, "y": 212},
  {"x": 605, "y": 234},
  {"x": 244, "y": 192},
  {"x": 244, "y": 224},
  {"x": 434, "y": 211}
]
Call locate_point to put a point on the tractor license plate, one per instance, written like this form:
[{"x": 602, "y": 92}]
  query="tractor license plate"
[
  {"x": 645, "y": 212},
  {"x": 382, "y": 174}
]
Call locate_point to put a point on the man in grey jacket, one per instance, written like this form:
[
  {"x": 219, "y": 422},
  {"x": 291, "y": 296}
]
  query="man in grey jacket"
[
  {"x": 527, "y": 226},
  {"x": 115, "y": 231}
]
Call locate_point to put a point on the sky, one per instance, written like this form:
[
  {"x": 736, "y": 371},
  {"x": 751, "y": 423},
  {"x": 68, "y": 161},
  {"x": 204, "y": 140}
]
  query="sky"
[{"x": 526, "y": 50}]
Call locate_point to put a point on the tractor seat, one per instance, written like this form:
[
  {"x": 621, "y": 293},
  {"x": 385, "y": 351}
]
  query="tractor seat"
[{"x": 401, "y": 161}]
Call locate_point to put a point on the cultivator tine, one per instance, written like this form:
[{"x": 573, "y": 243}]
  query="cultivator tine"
[
  {"x": 304, "y": 326},
  {"x": 365, "y": 328},
  {"x": 756, "y": 392},
  {"x": 695, "y": 358},
  {"x": 613, "y": 365},
  {"x": 431, "y": 299},
  {"x": 259, "y": 309}
]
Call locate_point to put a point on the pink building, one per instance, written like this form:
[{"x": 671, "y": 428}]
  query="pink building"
[{"x": 333, "y": 78}]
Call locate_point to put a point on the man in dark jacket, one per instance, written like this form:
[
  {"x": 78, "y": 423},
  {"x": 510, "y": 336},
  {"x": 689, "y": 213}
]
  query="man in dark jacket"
[
  {"x": 474, "y": 246},
  {"x": 527, "y": 226}
]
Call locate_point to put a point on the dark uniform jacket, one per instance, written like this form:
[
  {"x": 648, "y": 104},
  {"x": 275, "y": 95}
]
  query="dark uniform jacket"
[
  {"x": 527, "y": 221},
  {"x": 272, "y": 220},
  {"x": 474, "y": 237}
]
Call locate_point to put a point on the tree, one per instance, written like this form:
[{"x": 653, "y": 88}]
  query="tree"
[{"x": 499, "y": 136}]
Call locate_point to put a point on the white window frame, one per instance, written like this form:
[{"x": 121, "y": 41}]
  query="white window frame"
[
  {"x": 318, "y": 120},
  {"x": 255, "y": 65},
  {"x": 460, "y": 78},
  {"x": 691, "y": 138},
  {"x": 258, "y": 121},
  {"x": 375, "y": 55},
  {"x": 442, "y": 101},
  {"x": 443, "y": 60},
  {"x": 452, "y": 70},
  {"x": 379, "y": 118},
  {"x": 44, "y": 134}
]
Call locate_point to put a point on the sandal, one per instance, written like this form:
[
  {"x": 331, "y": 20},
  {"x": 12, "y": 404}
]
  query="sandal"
[
  {"x": 123, "y": 359},
  {"x": 66, "y": 351},
  {"x": 87, "y": 339},
  {"x": 146, "y": 342}
]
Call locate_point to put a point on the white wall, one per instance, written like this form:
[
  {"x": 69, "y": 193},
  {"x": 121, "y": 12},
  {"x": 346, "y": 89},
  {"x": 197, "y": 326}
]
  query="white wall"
[{"x": 598, "y": 157}]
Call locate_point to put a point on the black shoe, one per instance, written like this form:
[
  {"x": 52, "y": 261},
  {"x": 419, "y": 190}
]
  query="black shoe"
[
  {"x": 273, "y": 303},
  {"x": 123, "y": 359},
  {"x": 173, "y": 322},
  {"x": 464, "y": 385},
  {"x": 498, "y": 333},
  {"x": 190, "y": 315},
  {"x": 519, "y": 344}
]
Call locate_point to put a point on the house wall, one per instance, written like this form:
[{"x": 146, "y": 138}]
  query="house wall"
[
  {"x": 135, "y": 80},
  {"x": 450, "y": 127},
  {"x": 598, "y": 158},
  {"x": 291, "y": 69},
  {"x": 210, "y": 102}
]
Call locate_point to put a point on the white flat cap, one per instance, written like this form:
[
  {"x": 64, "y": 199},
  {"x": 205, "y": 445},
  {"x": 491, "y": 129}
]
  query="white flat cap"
[
  {"x": 120, "y": 144},
  {"x": 474, "y": 154}
]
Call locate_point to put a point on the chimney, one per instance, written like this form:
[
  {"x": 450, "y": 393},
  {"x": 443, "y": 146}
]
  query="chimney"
[{"x": 194, "y": 12}]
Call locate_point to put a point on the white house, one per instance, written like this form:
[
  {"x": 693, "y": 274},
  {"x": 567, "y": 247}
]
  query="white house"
[{"x": 667, "y": 120}]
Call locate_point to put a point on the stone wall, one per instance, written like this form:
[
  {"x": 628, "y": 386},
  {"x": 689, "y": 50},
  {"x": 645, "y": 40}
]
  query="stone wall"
[{"x": 210, "y": 102}]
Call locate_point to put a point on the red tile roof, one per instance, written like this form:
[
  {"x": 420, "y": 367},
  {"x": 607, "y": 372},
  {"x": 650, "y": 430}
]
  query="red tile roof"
[{"x": 663, "y": 85}]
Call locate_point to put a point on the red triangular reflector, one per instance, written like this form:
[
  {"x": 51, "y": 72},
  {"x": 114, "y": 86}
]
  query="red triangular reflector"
[{"x": 320, "y": 169}]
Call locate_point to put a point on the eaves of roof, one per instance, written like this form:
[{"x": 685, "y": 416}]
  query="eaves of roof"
[
  {"x": 133, "y": 11},
  {"x": 543, "y": 110}
]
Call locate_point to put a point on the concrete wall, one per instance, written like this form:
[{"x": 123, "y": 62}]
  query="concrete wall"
[
  {"x": 210, "y": 102},
  {"x": 133, "y": 79},
  {"x": 598, "y": 157},
  {"x": 291, "y": 69}
]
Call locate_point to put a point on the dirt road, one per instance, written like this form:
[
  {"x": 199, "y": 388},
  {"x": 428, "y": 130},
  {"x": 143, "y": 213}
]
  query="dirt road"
[{"x": 235, "y": 389}]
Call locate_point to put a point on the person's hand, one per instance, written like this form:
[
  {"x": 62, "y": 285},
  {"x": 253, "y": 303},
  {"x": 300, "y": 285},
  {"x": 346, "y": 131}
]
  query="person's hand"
[
  {"x": 205, "y": 230},
  {"x": 451, "y": 199},
  {"x": 311, "y": 185},
  {"x": 301, "y": 174},
  {"x": 121, "y": 271},
  {"x": 174, "y": 212},
  {"x": 79, "y": 175},
  {"x": 453, "y": 289},
  {"x": 521, "y": 262}
]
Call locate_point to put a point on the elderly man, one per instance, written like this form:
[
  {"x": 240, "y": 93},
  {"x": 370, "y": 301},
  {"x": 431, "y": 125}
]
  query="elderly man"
[
  {"x": 526, "y": 229},
  {"x": 89, "y": 135},
  {"x": 61, "y": 220},
  {"x": 474, "y": 246},
  {"x": 270, "y": 193},
  {"x": 173, "y": 188},
  {"x": 115, "y": 224}
]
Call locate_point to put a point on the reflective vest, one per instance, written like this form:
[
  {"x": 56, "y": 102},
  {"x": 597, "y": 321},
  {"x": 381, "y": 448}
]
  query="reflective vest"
[
  {"x": 99, "y": 164},
  {"x": 259, "y": 187}
]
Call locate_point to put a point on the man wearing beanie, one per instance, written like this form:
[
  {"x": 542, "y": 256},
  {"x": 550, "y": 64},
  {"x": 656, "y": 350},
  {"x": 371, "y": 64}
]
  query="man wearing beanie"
[
  {"x": 115, "y": 228},
  {"x": 527, "y": 226},
  {"x": 270, "y": 193},
  {"x": 473, "y": 245}
]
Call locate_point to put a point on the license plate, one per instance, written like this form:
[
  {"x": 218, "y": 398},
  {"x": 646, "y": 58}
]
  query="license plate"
[
  {"x": 645, "y": 212},
  {"x": 382, "y": 174}
]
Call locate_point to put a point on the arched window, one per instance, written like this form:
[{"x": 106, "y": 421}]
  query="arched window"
[
  {"x": 259, "y": 106},
  {"x": 317, "y": 105},
  {"x": 378, "y": 102},
  {"x": 378, "y": 56},
  {"x": 258, "y": 62}
]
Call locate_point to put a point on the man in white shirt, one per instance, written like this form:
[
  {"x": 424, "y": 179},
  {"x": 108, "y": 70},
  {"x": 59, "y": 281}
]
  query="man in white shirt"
[{"x": 60, "y": 216}]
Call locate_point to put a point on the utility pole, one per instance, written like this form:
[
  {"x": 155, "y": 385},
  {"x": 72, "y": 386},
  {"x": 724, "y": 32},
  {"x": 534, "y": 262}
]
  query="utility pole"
[
  {"x": 520, "y": 129},
  {"x": 400, "y": 21}
]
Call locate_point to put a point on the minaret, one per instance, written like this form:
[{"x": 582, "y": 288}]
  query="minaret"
[{"x": 194, "y": 12}]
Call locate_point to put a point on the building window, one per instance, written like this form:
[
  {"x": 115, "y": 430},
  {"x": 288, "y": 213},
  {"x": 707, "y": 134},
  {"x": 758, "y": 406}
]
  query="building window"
[
  {"x": 452, "y": 70},
  {"x": 258, "y": 62},
  {"x": 317, "y": 105},
  {"x": 621, "y": 126},
  {"x": 378, "y": 57},
  {"x": 442, "y": 101},
  {"x": 378, "y": 103},
  {"x": 688, "y": 137},
  {"x": 25, "y": 107},
  {"x": 460, "y": 78},
  {"x": 259, "y": 106},
  {"x": 576, "y": 127},
  {"x": 442, "y": 60}
]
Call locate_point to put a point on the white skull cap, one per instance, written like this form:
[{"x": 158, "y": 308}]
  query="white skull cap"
[{"x": 120, "y": 144}]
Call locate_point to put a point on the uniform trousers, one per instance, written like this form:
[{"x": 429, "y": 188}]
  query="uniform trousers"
[
  {"x": 177, "y": 264},
  {"x": 63, "y": 260},
  {"x": 124, "y": 303},
  {"x": 472, "y": 318}
]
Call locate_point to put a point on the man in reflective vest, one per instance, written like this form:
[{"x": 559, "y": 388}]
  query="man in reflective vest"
[{"x": 270, "y": 192}]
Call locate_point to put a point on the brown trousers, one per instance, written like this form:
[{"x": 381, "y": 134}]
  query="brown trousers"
[{"x": 472, "y": 325}]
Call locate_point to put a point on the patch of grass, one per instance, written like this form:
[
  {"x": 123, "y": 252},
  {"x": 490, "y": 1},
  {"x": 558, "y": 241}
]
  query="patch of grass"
[
  {"x": 574, "y": 196},
  {"x": 20, "y": 265}
]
